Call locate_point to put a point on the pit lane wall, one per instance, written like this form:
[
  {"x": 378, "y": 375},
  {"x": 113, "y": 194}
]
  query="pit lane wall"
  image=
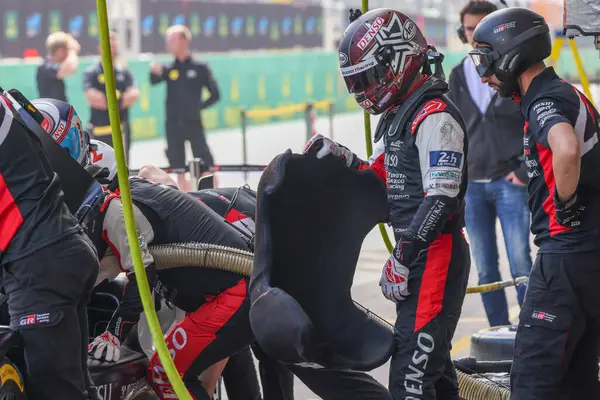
[{"x": 250, "y": 81}]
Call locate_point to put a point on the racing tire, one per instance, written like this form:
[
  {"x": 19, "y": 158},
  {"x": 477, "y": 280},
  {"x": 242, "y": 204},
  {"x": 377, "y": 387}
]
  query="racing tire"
[
  {"x": 11, "y": 381},
  {"x": 494, "y": 344}
]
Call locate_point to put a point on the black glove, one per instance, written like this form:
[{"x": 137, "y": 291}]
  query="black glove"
[
  {"x": 568, "y": 213},
  {"x": 407, "y": 250}
]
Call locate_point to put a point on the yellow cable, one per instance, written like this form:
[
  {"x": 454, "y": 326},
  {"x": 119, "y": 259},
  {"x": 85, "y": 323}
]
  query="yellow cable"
[
  {"x": 123, "y": 174},
  {"x": 556, "y": 50},
  {"x": 585, "y": 83}
]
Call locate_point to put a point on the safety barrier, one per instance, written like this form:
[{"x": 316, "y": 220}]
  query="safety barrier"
[{"x": 196, "y": 170}]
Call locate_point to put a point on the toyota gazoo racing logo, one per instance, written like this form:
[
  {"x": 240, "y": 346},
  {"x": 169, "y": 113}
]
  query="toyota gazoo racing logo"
[
  {"x": 360, "y": 67},
  {"x": 371, "y": 32}
]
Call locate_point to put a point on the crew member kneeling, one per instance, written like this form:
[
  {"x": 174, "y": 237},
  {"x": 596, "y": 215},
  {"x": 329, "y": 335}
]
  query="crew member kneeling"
[{"x": 216, "y": 325}]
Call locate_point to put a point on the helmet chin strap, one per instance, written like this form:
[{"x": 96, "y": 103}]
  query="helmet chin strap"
[{"x": 508, "y": 87}]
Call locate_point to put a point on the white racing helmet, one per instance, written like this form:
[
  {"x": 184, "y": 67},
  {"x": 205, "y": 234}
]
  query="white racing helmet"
[{"x": 103, "y": 163}]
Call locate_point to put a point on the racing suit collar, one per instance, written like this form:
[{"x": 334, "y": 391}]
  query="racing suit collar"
[
  {"x": 397, "y": 103},
  {"x": 536, "y": 84}
]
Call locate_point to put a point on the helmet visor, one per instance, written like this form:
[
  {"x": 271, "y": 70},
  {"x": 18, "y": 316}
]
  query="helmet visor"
[
  {"x": 364, "y": 76},
  {"x": 483, "y": 58}
]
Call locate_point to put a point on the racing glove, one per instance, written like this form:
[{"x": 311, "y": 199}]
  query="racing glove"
[
  {"x": 568, "y": 213},
  {"x": 394, "y": 280},
  {"x": 106, "y": 347},
  {"x": 124, "y": 318},
  {"x": 323, "y": 146}
]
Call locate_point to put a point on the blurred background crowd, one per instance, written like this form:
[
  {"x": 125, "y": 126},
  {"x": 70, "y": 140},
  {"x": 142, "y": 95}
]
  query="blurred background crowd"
[{"x": 265, "y": 54}]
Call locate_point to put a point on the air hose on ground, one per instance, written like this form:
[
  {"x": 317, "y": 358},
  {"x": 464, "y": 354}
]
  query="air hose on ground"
[{"x": 472, "y": 388}]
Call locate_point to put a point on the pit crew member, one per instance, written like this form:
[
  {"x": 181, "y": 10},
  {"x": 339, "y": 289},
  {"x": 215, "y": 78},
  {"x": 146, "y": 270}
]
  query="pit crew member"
[
  {"x": 48, "y": 264},
  {"x": 556, "y": 351}
]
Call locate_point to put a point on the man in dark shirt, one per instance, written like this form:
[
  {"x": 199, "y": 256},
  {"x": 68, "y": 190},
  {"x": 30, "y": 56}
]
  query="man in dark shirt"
[
  {"x": 186, "y": 79},
  {"x": 62, "y": 61},
  {"x": 95, "y": 93},
  {"x": 48, "y": 264},
  {"x": 556, "y": 352},
  {"x": 497, "y": 187}
]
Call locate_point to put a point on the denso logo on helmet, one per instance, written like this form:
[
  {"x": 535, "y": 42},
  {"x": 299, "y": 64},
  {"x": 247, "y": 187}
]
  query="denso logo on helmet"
[
  {"x": 371, "y": 32},
  {"x": 59, "y": 135}
]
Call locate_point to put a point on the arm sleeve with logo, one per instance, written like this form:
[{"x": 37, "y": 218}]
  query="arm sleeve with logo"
[
  {"x": 211, "y": 84},
  {"x": 543, "y": 114},
  {"x": 440, "y": 142},
  {"x": 130, "y": 307}
]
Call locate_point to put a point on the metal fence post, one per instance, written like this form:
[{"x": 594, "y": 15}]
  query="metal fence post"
[
  {"x": 309, "y": 121},
  {"x": 331, "y": 111},
  {"x": 244, "y": 120},
  {"x": 195, "y": 172}
]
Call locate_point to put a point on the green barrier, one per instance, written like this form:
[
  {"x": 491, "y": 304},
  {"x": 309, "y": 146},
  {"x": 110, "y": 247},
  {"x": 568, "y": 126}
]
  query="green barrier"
[{"x": 257, "y": 81}]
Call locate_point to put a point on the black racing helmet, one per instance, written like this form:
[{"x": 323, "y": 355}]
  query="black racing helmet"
[{"x": 508, "y": 42}]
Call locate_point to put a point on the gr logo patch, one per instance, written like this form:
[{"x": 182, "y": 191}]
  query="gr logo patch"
[{"x": 445, "y": 159}]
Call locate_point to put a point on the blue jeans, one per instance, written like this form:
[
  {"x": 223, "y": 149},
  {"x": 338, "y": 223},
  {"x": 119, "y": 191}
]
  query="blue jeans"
[{"x": 508, "y": 202}]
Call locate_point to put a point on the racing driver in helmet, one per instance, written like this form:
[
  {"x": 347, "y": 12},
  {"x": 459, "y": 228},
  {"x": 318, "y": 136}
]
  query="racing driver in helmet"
[
  {"x": 556, "y": 352},
  {"x": 384, "y": 61}
]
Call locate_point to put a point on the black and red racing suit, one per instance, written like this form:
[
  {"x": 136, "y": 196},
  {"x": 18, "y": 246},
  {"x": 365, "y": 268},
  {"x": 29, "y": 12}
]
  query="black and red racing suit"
[
  {"x": 216, "y": 325},
  {"x": 236, "y": 205},
  {"x": 48, "y": 266},
  {"x": 556, "y": 345},
  {"x": 424, "y": 166}
]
